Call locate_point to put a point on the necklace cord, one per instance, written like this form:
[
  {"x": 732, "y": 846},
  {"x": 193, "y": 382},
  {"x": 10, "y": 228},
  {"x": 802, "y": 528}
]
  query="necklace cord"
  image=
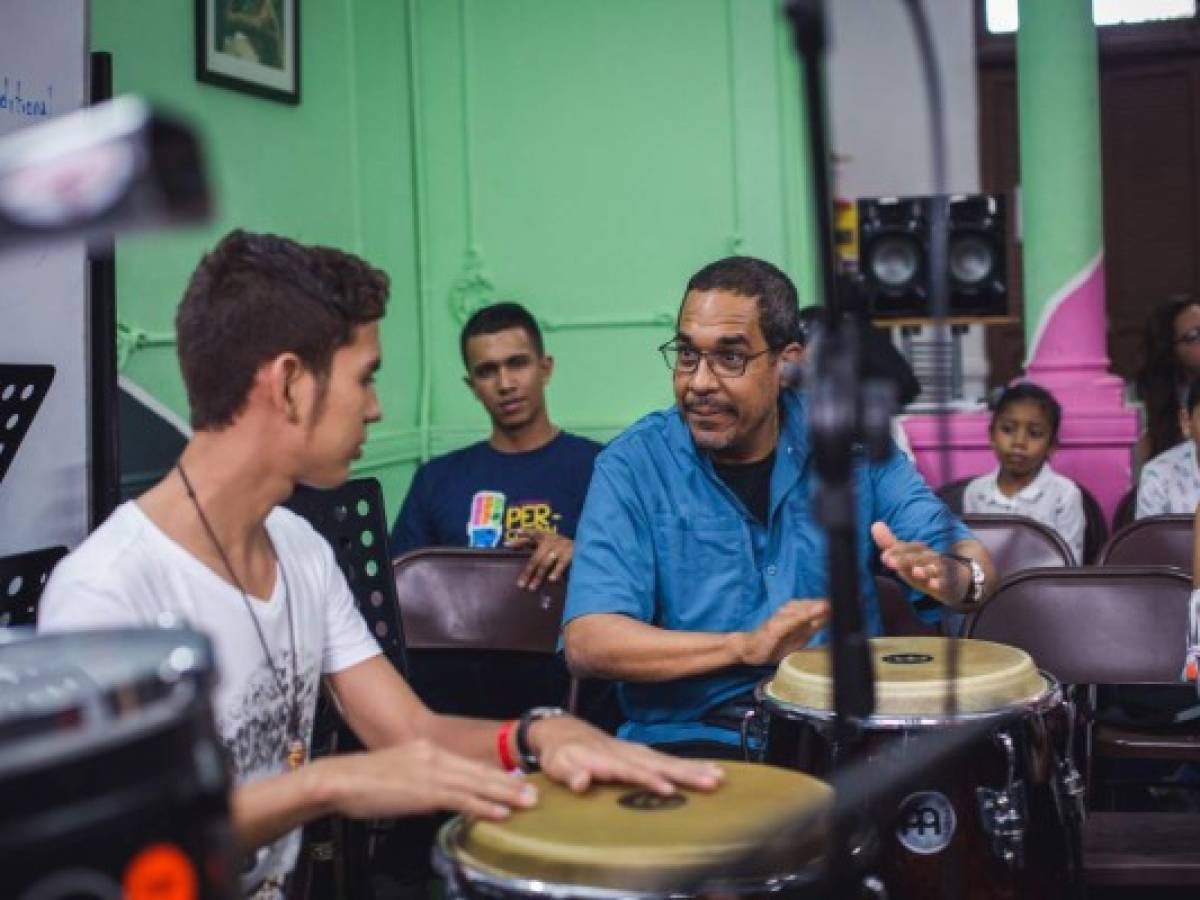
[{"x": 293, "y": 707}]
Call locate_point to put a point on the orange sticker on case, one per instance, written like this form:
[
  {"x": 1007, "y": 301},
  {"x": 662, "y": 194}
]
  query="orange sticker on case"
[{"x": 161, "y": 872}]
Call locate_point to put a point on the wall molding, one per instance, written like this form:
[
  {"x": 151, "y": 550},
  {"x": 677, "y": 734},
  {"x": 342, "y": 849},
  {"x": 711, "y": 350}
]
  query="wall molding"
[
  {"x": 404, "y": 446},
  {"x": 651, "y": 320}
]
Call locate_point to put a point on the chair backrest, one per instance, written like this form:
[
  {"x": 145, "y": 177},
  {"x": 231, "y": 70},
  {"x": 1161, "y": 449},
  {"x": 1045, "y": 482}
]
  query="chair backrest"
[
  {"x": 1153, "y": 541},
  {"x": 1093, "y": 624},
  {"x": 1016, "y": 542},
  {"x": 481, "y": 646},
  {"x": 899, "y": 617},
  {"x": 468, "y": 599},
  {"x": 952, "y": 492},
  {"x": 1126, "y": 507},
  {"x": 22, "y": 579},
  {"x": 352, "y": 519},
  {"x": 1095, "y": 529}
]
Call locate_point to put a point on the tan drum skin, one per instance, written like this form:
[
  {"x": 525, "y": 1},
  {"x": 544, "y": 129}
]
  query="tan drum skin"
[
  {"x": 624, "y": 838},
  {"x": 911, "y": 677}
]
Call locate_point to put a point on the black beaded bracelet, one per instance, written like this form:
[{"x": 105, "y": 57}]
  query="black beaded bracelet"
[{"x": 527, "y": 759}]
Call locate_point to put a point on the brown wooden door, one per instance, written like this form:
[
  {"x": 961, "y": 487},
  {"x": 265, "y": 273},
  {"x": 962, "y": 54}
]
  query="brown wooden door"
[{"x": 1150, "y": 137}]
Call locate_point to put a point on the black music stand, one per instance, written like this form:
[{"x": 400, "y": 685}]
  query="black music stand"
[
  {"x": 23, "y": 577},
  {"x": 22, "y": 390},
  {"x": 352, "y": 519}
]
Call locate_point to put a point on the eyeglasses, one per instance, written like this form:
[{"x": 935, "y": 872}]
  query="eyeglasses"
[
  {"x": 1191, "y": 336},
  {"x": 722, "y": 363}
]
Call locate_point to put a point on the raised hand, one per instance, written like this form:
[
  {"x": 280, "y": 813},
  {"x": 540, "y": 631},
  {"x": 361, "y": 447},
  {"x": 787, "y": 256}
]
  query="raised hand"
[{"x": 920, "y": 566}]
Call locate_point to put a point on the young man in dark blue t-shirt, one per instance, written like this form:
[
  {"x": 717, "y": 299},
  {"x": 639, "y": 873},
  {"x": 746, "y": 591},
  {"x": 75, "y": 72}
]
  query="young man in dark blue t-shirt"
[{"x": 522, "y": 487}]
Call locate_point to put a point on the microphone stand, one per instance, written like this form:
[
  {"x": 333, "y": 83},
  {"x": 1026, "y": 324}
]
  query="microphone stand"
[{"x": 837, "y": 414}]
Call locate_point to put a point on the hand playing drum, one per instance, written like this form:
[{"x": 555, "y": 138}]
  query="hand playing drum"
[{"x": 789, "y": 628}]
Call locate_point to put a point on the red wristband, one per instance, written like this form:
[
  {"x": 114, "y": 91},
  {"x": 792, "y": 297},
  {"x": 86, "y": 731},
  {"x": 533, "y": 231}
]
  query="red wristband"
[{"x": 506, "y": 760}]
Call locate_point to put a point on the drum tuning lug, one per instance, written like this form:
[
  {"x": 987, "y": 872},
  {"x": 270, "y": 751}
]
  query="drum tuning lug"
[
  {"x": 1002, "y": 816},
  {"x": 873, "y": 888},
  {"x": 1004, "y": 739},
  {"x": 753, "y": 732},
  {"x": 1071, "y": 793}
]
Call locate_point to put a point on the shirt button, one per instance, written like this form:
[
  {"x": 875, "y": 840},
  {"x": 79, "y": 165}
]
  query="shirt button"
[{"x": 771, "y": 570}]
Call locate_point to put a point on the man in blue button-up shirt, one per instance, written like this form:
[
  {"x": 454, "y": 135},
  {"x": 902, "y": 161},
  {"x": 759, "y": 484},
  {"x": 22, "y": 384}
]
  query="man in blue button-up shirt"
[{"x": 699, "y": 562}]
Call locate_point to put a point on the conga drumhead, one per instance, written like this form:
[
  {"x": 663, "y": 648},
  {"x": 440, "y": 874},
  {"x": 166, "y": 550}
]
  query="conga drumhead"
[
  {"x": 626, "y": 838},
  {"x": 911, "y": 677}
]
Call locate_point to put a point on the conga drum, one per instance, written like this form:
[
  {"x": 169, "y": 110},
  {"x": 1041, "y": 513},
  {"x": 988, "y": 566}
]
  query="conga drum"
[
  {"x": 993, "y": 824},
  {"x": 112, "y": 781},
  {"x": 620, "y": 841}
]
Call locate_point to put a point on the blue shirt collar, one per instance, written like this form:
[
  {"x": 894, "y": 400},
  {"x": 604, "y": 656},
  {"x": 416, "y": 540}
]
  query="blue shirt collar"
[{"x": 791, "y": 456}]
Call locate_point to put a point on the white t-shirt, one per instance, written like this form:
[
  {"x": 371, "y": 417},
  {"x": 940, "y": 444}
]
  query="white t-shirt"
[
  {"x": 129, "y": 573},
  {"x": 1050, "y": 498},
  {"x": 1170, "y": 483}
]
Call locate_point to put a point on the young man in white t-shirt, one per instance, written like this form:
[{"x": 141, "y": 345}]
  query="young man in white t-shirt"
[{"x": 279, "y": 345}]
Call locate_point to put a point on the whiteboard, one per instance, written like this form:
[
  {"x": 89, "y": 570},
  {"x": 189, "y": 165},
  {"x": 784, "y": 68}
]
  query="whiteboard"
[{"x": 44, "y": 67}]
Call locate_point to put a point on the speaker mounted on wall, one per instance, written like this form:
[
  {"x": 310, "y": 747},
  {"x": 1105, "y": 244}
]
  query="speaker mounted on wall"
[{"x": 894, "y": 275}]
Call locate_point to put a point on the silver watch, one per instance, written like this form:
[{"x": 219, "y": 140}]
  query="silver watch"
[{"x": 975, "y": 586}]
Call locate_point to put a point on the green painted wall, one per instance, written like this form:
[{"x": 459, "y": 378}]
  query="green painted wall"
[{"x": 581, "y": 157}]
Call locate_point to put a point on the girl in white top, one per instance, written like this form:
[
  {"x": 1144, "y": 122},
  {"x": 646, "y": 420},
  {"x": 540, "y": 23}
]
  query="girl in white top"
[{"x": 1024, "y": 433}]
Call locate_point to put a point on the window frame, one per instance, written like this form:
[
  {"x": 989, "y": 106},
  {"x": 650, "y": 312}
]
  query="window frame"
[{"x": 1174, "y": 36}]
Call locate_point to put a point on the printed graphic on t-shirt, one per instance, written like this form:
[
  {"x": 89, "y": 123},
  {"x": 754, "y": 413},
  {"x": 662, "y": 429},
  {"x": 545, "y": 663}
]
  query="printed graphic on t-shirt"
[
  {"x": 536, "y": 515},
  {"x": 492, "y": 522},
  {"x": 484, "y": 528},
  {"x": 255, "y": 730}
]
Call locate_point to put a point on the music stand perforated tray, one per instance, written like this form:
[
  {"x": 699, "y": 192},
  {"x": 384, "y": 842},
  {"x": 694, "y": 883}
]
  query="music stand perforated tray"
[{"x": 22, "y": 390}]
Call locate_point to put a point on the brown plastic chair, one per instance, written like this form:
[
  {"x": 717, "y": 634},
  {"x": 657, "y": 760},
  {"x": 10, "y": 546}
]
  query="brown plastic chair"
[
  {"x": 1095, "y": 530},
  {"x": 1017, "y": 543},
  {"x": 899, "y": 617},
  {"x": 1126, "y": 507},
  {"x": 479, "y": 645},
  {"x": 1153, "y": 541},
  {"x": 1109, "y": 625},
  {"x": 952, "y": 493},
  {"x": 468, "y": 599},
  {"x": 1093, "y": 624}
]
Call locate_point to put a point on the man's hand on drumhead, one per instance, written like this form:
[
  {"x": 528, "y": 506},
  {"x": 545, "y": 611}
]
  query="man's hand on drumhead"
[
  {"x": 789, "y": 628},
  {"x": 574, "y": 753},
  {"x": 921, "y": 567},
  {"x": 551, "y": 555},
  {"x": 415, "y": 777}
]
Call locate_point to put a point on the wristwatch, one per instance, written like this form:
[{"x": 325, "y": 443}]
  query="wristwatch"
[
  {"x": 975, "y": 586},
  {"x": 526, "y": 758}
]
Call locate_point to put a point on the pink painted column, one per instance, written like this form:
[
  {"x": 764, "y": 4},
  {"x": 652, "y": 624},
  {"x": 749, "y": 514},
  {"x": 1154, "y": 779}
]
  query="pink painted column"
[{"x": 1061, "y": 207}]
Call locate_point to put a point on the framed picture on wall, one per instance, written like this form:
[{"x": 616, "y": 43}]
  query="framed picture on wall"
[{"x": 251, "y": 46}]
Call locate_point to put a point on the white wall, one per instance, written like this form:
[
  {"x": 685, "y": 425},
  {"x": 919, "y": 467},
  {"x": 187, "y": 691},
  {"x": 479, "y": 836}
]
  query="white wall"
[{"x": 879, "y": 118}]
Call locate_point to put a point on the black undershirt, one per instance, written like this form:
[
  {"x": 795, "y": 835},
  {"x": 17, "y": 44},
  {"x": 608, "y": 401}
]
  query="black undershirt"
[{"x": 751, "y": 482}]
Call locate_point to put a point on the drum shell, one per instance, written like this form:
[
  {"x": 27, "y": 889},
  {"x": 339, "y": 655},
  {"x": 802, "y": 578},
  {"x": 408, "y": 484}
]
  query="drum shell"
[
  {"x": 619, "y": 841},
  {"x": 80, "y": 805},
  {"x": 801, "y": 738},
  {"x": 470, "y": 883}
]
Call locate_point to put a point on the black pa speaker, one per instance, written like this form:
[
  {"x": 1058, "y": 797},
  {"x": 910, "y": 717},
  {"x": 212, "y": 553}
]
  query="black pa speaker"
[{"x": 894, "y": 275}]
